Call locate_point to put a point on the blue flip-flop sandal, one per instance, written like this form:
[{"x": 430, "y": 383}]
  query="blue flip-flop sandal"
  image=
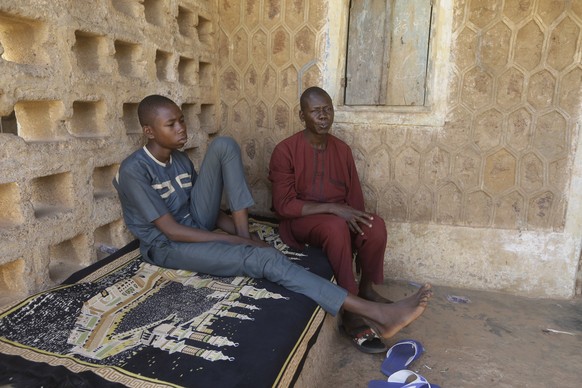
[
  {"x": 401, "y": 355},
  {"x": 402, "y": 379}
]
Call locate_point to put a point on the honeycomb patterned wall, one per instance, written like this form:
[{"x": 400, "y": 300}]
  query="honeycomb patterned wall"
[
  {"x": 502, "y": 160},
  {"x": 269, "y": 51},
  {"x": 72, "y": 76}
]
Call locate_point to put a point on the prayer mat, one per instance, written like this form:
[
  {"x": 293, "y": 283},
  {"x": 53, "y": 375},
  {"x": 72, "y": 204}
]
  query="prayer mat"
[{"x": 124, "y": 322}]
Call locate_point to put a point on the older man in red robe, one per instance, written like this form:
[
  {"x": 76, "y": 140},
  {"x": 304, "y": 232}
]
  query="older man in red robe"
[{"x": 318, "y": 197}]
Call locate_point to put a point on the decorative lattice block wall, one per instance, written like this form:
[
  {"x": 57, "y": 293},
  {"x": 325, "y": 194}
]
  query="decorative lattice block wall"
[{"x": 72, "y": 76}]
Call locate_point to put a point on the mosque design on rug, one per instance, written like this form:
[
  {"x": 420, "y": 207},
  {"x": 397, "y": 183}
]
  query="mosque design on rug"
[
  {"x": 130, "y": 322},
  {"x": 96, "y": 333}
]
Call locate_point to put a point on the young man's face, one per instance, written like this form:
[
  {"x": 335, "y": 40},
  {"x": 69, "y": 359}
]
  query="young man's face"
[
  {"x": 167, "y": 127},
  {"x": 317, "y": 114}
]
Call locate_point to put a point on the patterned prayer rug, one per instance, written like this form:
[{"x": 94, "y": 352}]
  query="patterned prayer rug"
[{"x": 124, "y": 321}]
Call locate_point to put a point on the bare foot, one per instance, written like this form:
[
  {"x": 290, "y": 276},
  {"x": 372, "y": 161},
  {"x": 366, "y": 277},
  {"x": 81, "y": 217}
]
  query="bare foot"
[
  {"x": 389, "y": 319},
  {"x": 368, "y": 292},
  {"x": 412, "y": 300}
]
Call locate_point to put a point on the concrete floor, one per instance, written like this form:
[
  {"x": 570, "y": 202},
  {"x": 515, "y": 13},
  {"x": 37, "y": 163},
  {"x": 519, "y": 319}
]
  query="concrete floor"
[{"x": 496, "y": 340}]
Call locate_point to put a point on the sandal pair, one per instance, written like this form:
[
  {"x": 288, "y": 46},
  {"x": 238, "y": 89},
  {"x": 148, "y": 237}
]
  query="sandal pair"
[{"x": 398, "y": 358}]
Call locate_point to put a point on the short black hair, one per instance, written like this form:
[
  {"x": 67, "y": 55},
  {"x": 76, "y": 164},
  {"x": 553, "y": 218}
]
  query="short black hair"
[
  {"x": 148, "y": 107},
  {"x": 308, "y": 93}
]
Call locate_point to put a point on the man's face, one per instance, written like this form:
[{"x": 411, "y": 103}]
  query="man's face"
[
  {"x": 167, "y": 127},
  {"x": 317, "y": 114}
]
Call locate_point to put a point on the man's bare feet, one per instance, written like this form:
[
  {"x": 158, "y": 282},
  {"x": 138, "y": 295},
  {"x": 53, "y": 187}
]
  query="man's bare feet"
[
  {"x": 389, "y": 319},
  {"x": 368, "y": 292}
]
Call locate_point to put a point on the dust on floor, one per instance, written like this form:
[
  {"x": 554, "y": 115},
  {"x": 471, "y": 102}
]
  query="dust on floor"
[{"x": 495, "y": 340}]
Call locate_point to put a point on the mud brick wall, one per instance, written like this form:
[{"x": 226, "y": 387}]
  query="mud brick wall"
[{"x": 72, "y": 74}]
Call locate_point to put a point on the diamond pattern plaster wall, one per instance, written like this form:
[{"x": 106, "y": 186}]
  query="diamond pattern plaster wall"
[{"x": 72, "y": 74}]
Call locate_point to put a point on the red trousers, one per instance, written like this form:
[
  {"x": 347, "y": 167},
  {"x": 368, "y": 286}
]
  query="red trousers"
[{"x": 332, "y": 234}]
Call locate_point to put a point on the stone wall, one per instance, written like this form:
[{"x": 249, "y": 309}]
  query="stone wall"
[
  {"x": 72, "y": 75},
  {"x": 487, "y": 200}
]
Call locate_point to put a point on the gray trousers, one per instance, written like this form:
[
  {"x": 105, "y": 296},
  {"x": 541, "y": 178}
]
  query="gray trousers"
[{"x": 222, "y": 170}]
